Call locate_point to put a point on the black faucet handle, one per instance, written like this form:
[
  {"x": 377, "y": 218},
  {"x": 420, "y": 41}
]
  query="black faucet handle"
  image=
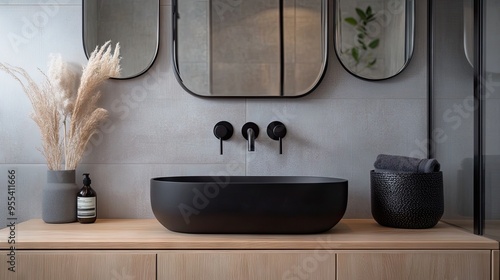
[
  {"x": 277, "y": 131},
  {"x": 223, "y": 131}
]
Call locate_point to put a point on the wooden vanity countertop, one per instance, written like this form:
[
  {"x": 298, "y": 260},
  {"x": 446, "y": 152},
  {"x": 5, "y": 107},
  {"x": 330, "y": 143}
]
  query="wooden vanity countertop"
[{"x": 149, "y": 234}]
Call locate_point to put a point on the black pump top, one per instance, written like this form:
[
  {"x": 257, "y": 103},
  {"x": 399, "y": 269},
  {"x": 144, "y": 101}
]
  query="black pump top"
[{"x": 86, "y": 180}]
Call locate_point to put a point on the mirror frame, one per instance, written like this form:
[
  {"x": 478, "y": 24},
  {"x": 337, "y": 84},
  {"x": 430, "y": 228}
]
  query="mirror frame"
[
  {"x": 150, "y": 64},
  {"x": 410, "y": 39},
  {"x": 325, "y": 21}
]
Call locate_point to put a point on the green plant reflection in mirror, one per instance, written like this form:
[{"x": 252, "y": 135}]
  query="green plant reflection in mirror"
[
  {"x": 374, "y": 38},
  {"x": 363, "y": 50}
]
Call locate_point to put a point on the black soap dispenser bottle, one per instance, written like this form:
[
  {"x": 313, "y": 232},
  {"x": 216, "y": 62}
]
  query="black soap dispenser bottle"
[{"x": 86, "y": 202}]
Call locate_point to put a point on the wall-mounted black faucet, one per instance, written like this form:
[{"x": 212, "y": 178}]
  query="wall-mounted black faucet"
[
  {"x": 250, "y": 132},
  {"x": 277, "y": 131},
  {"x": 223, "y": 131}
]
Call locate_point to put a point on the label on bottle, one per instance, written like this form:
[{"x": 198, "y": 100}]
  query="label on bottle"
[{"x": 86, "y": 207}]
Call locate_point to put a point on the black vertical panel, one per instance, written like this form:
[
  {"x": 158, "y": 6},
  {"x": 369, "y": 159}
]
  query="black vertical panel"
[
  {"x": 430, "y": 79},
  {"x": 282, "y": 48},
  {"x": 479, "y": 90}
]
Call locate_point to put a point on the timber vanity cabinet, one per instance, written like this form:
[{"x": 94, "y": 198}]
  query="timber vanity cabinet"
[{"x": 144, "y": 249}]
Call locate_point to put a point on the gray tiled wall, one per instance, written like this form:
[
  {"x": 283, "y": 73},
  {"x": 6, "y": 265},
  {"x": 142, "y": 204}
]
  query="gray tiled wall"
[{"x": 157, "y": 129}]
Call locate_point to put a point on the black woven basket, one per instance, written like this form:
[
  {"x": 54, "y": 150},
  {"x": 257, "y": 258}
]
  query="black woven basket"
[{"x": 407, "y": 200}]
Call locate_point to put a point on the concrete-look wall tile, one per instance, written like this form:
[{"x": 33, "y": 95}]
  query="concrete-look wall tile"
[
  {"x": 34, "y": 31},
  {"x": 167, "y": 131},
  {"x": 42, "y": 2},
  {"x": 29, "y": 181}
]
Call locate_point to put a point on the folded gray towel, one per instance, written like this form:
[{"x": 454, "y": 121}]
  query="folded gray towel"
[{"x": 385, "y": 163}]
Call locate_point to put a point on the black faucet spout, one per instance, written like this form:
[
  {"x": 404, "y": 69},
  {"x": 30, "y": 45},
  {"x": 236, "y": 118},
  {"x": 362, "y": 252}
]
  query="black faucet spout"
[
  {"x": 250, "y": 132},
  {"x": 251, "y": 140}
]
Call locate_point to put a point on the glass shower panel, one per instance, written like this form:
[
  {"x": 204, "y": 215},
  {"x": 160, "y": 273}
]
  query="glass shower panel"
[
  {"x": 452, "y": 112},
  {"x": 491, "y": 117}
]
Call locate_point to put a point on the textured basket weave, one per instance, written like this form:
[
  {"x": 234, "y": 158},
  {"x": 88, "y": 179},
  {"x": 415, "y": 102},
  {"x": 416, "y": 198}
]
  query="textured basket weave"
[{"x": 407, "y": 200}]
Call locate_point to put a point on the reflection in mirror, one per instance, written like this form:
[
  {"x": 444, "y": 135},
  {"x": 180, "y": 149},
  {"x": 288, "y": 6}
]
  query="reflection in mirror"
[
  {"x": 374, "y": 38},
  {"x": 469, "y": 30},
  {"x": 491, "y": 41},
  {"x": 250, "y": 48},
  {"x": 132, "y": 23}
]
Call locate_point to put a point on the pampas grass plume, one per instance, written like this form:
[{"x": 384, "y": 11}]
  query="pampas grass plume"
[{"x": 57, "y": 100}]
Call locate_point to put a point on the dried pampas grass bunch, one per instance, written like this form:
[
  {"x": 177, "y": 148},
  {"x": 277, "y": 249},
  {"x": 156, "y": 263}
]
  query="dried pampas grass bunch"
[
  {"x": 60, "y": 107},
  {"x": 86, "y": 116},
  {"x": 44, "y": 114}
]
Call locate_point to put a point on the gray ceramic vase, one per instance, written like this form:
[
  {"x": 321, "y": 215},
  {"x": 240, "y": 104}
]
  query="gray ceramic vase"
[{"x": 59, "y": 197}]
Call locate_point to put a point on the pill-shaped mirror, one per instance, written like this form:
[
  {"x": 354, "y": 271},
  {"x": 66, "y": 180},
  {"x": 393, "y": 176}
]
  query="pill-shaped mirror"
[
  {"x": 132, "y": 23},
  {"x": 257, "y": 48},
  {"x": 374, "y": 38}
]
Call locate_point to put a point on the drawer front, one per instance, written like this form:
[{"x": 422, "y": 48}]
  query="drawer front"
[
  {"x": 425, "y": 265},
  {"x": 246, "y": 265},
  {"x": 80, "y": 265}
]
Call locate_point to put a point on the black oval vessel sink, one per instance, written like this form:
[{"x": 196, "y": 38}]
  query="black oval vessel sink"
[{"x": 248, "y": 204}]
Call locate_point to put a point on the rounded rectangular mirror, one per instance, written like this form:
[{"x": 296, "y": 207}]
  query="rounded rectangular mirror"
[
  {"x": 374, "y": 38},
  {"x": 134, "y": 24},
  {"x": 258, "y": 48}
]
